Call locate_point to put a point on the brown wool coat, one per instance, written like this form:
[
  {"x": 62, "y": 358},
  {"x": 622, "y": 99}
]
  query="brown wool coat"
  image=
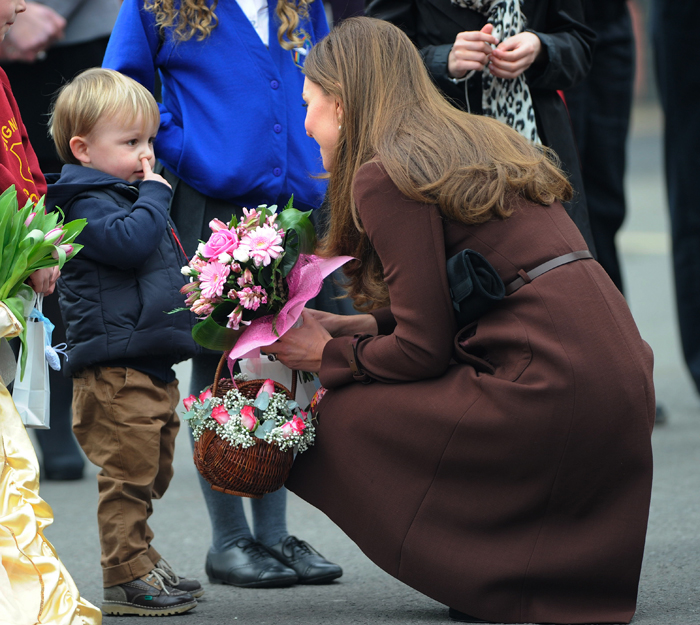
[{"x": 515, "y": 494}]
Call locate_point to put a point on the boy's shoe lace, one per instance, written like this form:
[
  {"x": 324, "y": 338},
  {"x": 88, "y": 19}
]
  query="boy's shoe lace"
[{"x": 178, "y": 582}]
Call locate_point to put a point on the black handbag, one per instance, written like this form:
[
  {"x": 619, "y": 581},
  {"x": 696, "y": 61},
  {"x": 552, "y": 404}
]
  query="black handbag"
[{"x": 475, "y": 286}]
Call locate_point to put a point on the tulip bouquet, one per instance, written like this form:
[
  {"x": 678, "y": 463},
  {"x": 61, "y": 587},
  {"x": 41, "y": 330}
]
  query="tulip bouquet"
[
  {"x": 271, "y": 416},
  {"x": 30, "y": 239}
]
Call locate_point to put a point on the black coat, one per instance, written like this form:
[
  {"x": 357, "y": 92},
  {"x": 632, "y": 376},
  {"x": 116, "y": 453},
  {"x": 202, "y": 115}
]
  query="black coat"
[
  {"x": 433, "y": 26},
  {"x": 116, "y": 293}
]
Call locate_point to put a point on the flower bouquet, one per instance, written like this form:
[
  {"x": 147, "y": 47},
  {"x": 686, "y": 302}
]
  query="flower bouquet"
[
  {"x": 30, "y": 239},
  {"x": 248, "y": 285}
]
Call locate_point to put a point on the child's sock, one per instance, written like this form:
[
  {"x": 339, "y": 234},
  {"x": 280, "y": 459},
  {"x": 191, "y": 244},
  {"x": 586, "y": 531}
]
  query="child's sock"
[{"x": 270, "y": 517}]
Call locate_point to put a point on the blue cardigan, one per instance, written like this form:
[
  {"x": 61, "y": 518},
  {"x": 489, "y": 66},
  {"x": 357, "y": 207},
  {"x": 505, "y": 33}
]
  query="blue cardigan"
[{"x": 232, "y": 120}]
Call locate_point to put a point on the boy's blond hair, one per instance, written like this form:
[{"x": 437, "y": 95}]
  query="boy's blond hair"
[{"x": 92, "y": 95}]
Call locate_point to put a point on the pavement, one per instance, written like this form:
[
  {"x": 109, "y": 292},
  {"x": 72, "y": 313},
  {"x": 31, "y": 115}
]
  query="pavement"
[{"x": 669, "y": 592}]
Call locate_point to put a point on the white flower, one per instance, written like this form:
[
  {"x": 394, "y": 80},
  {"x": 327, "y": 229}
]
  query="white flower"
[
  {"x": 225, "y": 258},
  {"x": 186, "y": 271},
  {"x": 242, "y": 253}
]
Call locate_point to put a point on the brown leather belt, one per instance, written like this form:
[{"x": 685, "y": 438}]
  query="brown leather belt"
[{"x": 527, "y": 277}]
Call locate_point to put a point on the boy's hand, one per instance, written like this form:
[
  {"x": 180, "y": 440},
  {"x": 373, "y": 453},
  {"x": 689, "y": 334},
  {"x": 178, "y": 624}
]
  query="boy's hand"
[
  {"x": 44, "y": 280},
  {"x": 149, "y": 175}
]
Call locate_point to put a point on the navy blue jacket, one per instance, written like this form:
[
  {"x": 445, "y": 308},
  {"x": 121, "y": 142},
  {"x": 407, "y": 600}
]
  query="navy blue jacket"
[{"x": 115, "y": 293}]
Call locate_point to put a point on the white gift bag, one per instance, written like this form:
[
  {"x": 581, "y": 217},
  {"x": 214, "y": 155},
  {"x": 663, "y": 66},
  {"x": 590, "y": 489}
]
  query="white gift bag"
[
  {"x": 262, "y": 369},
  {"x": 31, "y": 393}
]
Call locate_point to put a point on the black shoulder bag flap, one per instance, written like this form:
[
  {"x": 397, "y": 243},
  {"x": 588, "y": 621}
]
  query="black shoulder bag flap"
[{"x": 475, "y": 286}]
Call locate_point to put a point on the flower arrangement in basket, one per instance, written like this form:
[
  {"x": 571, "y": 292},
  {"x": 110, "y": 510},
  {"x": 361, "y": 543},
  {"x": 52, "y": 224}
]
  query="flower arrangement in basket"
[{"x": 248, "y": 285}]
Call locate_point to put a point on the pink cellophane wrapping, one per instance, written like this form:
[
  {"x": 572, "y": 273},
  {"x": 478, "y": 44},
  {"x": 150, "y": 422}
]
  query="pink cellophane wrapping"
[{"x": 304, "y": 282}]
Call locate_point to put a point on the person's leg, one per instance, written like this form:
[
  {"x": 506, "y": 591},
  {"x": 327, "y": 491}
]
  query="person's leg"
[
  {"x": 234, "y": 557},
  {"x": 270, "y": 517},
  {"x": 60, "y": 455},
  {"x": 118, "y": 416},
  {"x": 600, "y": 109},
  {"x": 168, "y": 433},
  {"x": 228, "y": 522},
  {"x": 270, "y": 523},
  {"x": 675, "y": 33}
]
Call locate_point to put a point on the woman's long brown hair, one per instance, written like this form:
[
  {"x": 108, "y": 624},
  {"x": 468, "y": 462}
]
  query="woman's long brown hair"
[
  {"x": 192, "y": 18},
  {"x": 471, "y": 167}
]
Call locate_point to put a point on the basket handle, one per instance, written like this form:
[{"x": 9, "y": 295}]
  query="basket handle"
[{"x": 217, "y": 377}]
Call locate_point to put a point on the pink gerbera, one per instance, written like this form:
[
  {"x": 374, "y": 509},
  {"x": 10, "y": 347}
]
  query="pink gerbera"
[
  {"x": 263, "y": 245},
  {"x": 212, "y": 279}
]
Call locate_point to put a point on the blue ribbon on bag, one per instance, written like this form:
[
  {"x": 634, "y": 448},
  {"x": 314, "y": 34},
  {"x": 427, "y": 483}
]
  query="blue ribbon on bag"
[{"x": 50, "y": 352}]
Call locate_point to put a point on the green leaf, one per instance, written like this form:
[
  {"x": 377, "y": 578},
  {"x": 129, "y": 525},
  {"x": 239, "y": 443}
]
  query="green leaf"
[
  {"x": 299, "y": 222},
  {"x": 265, "y": 428},
  {"x": 211, "y": 335},
  {"x": 291, "y": 253},
  {"x": 262, "y": 401}
]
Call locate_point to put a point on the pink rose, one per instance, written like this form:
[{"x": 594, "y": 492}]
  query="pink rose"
[
  {"x": 188, "y": 402},
  {"x": 248, "y": 419},
  {"x": 268, "y": 386},
  {"x": 221, "y": 242},
  {"x": 298, "y": 425},
  {"x": 220, "y": 414},
  {"x": 287, "y": 429},
  {"x": 205, "y": 395}
]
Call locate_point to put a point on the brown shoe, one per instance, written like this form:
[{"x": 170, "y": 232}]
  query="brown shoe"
[
  {"x": 149, "y": 595},
  {"x": 179, "y": 582}
]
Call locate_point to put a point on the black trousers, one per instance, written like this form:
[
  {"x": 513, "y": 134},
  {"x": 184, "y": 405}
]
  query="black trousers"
[
  {"x": 675, "y": 29},
  {"x": 600, "y": 110}
]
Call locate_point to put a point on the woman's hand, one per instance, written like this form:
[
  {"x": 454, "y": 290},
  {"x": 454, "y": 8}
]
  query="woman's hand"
[
  {"x": 344, "y": 325},
  {"x": 514, "y": 55},
  {"x": 34, "y": 32},
  {"x": 471, "y": 51},
  {"x": 301, "y": 348},
  {"x": 43, "y": 281}
]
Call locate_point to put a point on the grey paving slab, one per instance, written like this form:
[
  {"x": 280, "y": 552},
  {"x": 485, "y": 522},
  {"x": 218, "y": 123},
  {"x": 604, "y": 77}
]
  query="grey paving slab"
[{"x": 670, "y": 586}]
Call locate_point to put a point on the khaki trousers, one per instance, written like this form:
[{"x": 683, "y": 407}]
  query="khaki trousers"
[{"x": 125, "y": 421}]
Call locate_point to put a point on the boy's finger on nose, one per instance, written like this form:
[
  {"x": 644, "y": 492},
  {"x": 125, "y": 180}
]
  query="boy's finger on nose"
[{"x": 146, "y": 164}]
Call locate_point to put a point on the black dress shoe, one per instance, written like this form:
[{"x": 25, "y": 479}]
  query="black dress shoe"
[
  {"x": 461, "y": 617},
  {"x": 248, "y": 565},
  {"x": 310, "y": 566}
]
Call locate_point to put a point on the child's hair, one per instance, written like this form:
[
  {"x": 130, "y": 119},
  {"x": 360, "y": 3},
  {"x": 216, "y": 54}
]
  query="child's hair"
[
  {"x": 197, "y": 17},
  {"x": 91, "y": 95}
]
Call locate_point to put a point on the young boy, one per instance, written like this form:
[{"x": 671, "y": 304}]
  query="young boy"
[{"x": 121, "y": 344}]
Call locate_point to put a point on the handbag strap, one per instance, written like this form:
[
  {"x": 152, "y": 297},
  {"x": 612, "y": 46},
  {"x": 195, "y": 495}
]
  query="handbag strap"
[{"x": 527, "y": 277}]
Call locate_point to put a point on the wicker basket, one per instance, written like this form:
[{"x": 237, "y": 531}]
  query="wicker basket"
[{"x": 247, "y": 472}]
